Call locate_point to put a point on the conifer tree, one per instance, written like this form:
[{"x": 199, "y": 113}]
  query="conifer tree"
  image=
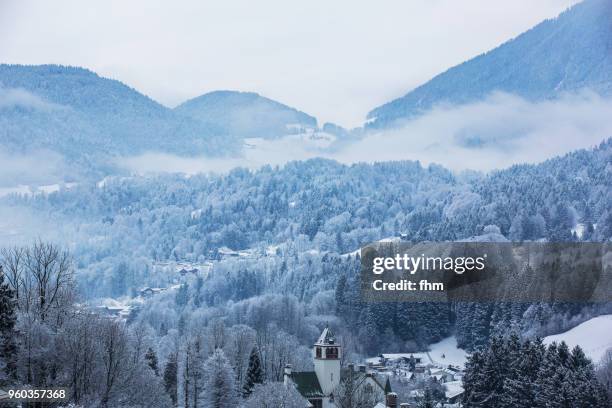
[
  {"x": 151, "y": 360},
  {"x": 170, "y": 378},
  {"x": 254, "y": 373},
  {"x": 8, "y": 348},
  {"x": 519, "y": 386}
]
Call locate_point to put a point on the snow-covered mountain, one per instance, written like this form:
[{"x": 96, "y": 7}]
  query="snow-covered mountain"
[
  {"x": 565, "y": 54},
  {"x": 81, "y": 115},
  {"x": 247, "y": 114}
]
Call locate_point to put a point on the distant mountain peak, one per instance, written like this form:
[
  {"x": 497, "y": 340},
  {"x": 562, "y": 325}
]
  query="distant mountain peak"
[
  {"x": 246, "y": 114},
  {"x": 563, "y": 54}
]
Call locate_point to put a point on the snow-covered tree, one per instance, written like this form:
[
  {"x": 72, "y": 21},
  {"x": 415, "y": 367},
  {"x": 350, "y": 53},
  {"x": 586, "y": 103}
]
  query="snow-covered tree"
[
  {"x": 170, "y": 377},
  {"x": 8, "y": 335},
  {"x": 254, "y": 373},
  {"x": 275, "y": 395},
  {"x": 219, "y": 389}
]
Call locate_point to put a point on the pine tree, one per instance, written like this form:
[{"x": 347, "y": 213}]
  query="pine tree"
[
  {"x": 170, "y": 378},
  {"x": 254, "y": 373},
  {"x": 8, "y": 348},
  {"x": 340, "y": 295},
  {"x": 369, "y": 329},
  {"x": 519, "y": 386},
  {"x": 550, "y": 378},
  {"x": 511, "y": 373},
  {"x": 151, "y": 360},
  {"x": 486, "y": 374},
  {"x": 219, "y": 387},
  {"x": 474, "y": 379}
]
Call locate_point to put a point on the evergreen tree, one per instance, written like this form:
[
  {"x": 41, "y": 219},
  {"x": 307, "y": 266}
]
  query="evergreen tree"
[
  {"x": 474, "y": 379},
  {"x": 369, "y": 329},
  {"x": 151, "y": 359},
  {"x": 254, "y": 373},
  {"x": 519, "y": 386},
  {"x": 340, "y": 295},
  {"x": 170, "y": 377},
  {"x": 8, "y": 348},
  {"x": 511, "y": 374}
]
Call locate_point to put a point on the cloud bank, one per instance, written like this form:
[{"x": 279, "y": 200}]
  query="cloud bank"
[
  {"x": 20, "y": 98},
  {"x": 495, "y": 133},
  {"x": 36, "y": 168}
]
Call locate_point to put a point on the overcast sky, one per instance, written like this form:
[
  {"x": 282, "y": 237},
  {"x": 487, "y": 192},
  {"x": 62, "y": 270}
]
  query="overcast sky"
[{"x": 334, "y": 59}]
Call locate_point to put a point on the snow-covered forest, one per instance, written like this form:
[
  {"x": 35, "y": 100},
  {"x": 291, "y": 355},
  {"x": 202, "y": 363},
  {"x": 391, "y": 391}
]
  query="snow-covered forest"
[{"x": 272, "y": 258}]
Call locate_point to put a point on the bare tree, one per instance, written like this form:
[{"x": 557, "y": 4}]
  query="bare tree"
[
  {"x": 78, "y": 348},
  {"x": 42, "y": 276},
  {"x": 238, "y": 348},
  {"x": 115, "y": 354},
  {"x": 13, "y": 260},
  {"x": 217, "y": 333},
  {"x": 356, "y": 390},
  {"x": 48, "y": 281}
]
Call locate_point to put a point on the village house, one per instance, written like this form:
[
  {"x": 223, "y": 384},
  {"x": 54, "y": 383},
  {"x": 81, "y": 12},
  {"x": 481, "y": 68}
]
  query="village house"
[{"x": 148, "y": 292}]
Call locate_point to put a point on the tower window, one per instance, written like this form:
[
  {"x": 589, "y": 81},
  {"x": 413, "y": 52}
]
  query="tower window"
[
  {"x": 332, "y": 352},
  {"x": 318, "y": 352}
]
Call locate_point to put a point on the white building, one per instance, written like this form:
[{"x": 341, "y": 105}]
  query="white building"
[{"x": 329, "y": 382}]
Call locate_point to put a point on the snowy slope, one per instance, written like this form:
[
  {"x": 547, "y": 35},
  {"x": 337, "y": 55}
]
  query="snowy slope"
[
  {"x": 594, "y": 336},
  {"x": 447, "y": 348}
]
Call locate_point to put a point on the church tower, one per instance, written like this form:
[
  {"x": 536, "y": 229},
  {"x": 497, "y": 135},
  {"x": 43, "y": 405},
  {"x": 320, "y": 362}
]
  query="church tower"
[{"x": 327, "y": 354}]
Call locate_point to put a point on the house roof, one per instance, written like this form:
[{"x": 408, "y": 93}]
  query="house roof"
[
  {"x": 360, "y": 376},
  {"x": 307, "y": 383},
  {"x": 453, "y": 389}
]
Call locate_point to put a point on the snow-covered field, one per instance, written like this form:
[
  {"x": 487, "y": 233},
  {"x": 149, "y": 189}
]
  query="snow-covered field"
[
  {"x": 447, "y": 348},
  {"x": 594, "y": 336}
]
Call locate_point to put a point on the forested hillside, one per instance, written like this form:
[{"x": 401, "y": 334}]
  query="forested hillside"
[
  {"x": 296, "y": 222},
  {"x": 85, "y": 117}
]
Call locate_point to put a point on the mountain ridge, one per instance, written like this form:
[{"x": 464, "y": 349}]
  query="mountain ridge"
[
  {"x": 92, "y": 120},
  {"x": 564, "y": 54}
]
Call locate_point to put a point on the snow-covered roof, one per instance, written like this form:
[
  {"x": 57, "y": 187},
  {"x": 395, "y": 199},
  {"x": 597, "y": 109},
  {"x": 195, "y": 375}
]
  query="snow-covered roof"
[
  {"x": 326, "y": 338},
  {"x": 399, "y": 356},
  {"x": 453, "y": 388}
]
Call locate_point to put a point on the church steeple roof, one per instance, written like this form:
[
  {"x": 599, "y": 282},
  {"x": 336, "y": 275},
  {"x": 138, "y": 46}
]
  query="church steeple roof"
[{"x": 327, "y": 338}]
